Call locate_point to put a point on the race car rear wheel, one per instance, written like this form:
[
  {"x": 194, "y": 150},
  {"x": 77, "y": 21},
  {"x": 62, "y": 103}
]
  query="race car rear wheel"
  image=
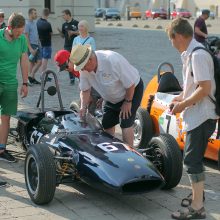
[
  {"x": 164, "y": 152},
  {"x": 143, "y": 128},
  {"x": 40, "y": 174}
]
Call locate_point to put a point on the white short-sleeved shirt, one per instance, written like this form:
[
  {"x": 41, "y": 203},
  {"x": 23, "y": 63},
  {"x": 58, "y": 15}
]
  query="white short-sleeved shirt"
[
  {"x": 199, "y": 63},
  {"x": 113, "y": 76}
]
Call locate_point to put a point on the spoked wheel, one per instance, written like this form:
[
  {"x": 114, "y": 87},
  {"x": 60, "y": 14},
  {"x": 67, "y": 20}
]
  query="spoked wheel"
[
  {"x": 143, "y": 128},
  {"x": 40, "y": 174},
  {"x": 163, "y": 151}
]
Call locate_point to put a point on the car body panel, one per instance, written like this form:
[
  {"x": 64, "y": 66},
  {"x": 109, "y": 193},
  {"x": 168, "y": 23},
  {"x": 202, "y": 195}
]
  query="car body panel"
[
  {"x": 181, "y": 12},
  {"x": 156, "y": 13}
]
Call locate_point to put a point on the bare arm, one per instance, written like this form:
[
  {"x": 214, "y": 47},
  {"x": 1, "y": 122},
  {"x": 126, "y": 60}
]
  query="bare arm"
[
  {"x": 202, "y": 91},
  {"x": 24, "y": 71},
  {"x": 200, "y": 33},
  {"x": 178, "y": 98},
  {"x": 29, "y": 45},
  {"x": 126, "y": 106},
  {"x": 60, "y": 32}
]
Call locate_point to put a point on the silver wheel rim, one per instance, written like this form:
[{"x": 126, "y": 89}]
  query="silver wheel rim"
[
  {"x": 32, "y": 185},
  {"x": 137, "y": 132}
]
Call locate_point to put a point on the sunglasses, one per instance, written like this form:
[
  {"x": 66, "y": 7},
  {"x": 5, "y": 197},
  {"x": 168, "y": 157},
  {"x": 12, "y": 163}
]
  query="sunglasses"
[{"x": 2, "y": 16}]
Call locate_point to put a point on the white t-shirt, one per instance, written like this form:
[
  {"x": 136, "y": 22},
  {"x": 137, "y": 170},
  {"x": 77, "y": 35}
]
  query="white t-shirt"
[
  {"x": 113, "y": 76},
  {"x": 199, "y": 63}
]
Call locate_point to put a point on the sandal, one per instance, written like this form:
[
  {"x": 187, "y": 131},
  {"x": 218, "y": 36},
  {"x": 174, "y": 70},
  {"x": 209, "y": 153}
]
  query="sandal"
[
  {"x": 189, "y": 213},
  {"x": 188, "y": 200}
]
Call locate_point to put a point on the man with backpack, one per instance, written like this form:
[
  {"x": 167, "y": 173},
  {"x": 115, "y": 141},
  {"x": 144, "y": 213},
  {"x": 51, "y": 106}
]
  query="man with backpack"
[{"x": 197, "y": 105}]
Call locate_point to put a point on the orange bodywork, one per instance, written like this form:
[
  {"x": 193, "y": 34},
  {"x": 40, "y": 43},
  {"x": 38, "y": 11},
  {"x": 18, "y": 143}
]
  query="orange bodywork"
[
  {"x": 156, "y": 110},
  {"x": 135, "y": 14}
]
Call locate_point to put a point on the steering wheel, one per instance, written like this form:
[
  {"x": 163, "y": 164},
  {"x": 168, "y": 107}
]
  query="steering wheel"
[{"x": 160, "y": 67}]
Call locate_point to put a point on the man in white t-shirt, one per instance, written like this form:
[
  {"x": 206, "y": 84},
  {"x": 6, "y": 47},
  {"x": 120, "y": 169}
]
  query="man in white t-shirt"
[
  {"x": 116, "y": 80},
  {"x": 198, "y": 110}
]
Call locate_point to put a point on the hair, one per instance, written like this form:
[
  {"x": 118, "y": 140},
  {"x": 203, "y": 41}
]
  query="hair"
[
  {"x": 85, "y": 24},
  {"x": 16, "y": 21},
  {"x": 67, "y": 12},
  {"x": 205, "y": 12},
  {"x": 180, "y": 26},
  {"x": 46, "y": 12},
  {"x": 31, "y": 10}
]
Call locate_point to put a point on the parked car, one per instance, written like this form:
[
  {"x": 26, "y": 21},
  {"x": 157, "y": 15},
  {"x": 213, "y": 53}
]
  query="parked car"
[
  {"x": 211, "y": 16},
  {"x": 135, "y": 13},
  {"x": 181, "y": 12},
  {"x": 99, "y": 12},
  {"x": 156, "y": 13},
  {"x": 111, "y": 13}
]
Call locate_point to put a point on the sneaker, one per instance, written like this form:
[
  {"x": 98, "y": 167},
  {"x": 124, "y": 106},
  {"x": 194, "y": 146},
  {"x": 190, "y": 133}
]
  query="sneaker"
[
  {"x": 2, "y": 184},
  {"x": 6, "y": 156},
  {"x": 35, "y": 81},
  {"x": 30, "y": 81}
]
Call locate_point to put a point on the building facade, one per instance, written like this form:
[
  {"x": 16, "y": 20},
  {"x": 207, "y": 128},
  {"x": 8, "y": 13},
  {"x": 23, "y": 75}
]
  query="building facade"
[{"x": 81, "y": 9}]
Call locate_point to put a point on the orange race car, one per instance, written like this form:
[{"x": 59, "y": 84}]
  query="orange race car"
[{"x": 154, "y": 116}]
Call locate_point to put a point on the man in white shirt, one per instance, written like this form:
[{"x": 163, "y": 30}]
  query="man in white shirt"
[
  {"x": 199, "y": 117},
  {"x": 116, "y": 80}
]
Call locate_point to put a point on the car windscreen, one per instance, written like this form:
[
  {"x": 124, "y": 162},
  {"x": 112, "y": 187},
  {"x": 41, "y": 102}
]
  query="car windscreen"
[{"x": 73, "y": 123}]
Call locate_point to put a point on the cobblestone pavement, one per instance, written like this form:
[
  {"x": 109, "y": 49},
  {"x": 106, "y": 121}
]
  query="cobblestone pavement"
[{"x": 145, "y": 50}]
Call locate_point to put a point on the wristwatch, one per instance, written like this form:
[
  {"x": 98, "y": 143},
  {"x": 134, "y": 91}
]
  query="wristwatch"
[
  {"x": 127, "y": 100},
  {"x": 25, "y": 84}
]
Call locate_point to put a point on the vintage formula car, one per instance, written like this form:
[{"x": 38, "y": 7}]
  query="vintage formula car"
[
  {"x": 154, "y": 116},
  {"x": 62, "y": 148}
]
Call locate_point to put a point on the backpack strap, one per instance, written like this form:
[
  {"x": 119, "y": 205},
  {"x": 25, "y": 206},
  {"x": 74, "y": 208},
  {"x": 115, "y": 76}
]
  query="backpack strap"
[
  {"x": 199, "y": 48},
  {"x": 85, "y": 40},
  {"x": 208, "y": 51}
]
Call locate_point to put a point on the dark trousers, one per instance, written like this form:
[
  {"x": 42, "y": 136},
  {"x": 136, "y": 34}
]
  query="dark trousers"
[{"x": 72, "y": 77}]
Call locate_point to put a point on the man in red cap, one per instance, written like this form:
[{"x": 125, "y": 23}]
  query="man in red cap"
[{"x": 62, "y": 60}]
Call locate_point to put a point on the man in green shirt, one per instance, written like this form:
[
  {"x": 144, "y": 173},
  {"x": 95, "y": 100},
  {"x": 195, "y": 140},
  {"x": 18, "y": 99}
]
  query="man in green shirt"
[{"x": 13, "y": 48}]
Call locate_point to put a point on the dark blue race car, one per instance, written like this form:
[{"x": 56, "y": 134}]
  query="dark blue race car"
[{"x": 63, "y": 148}]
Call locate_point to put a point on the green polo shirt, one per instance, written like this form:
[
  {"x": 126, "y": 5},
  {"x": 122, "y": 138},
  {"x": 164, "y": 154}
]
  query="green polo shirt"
[{"x": 10, "y": 54}]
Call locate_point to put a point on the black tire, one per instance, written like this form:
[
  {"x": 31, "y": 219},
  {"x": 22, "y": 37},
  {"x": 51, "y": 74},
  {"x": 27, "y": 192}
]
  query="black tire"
[
  {"x": 40, "y": 174},
  {"x": 166, "y": 156},
  {"x": 143, "y": 128},
  {"x": 74, "y": 106}
]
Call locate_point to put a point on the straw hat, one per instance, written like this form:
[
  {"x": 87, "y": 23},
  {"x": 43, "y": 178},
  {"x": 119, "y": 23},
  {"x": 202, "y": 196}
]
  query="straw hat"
[{"x": 80, "y": 55}]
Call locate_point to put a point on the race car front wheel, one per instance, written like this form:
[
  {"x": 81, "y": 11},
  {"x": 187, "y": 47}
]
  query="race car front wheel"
[
  {"x": 143, "y": 128},
  {"x": 164, "y": 152},
  {"x": 40, "y": 174}
]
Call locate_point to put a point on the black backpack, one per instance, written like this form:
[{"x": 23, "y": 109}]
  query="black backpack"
[{"x": 216, "y": 62}]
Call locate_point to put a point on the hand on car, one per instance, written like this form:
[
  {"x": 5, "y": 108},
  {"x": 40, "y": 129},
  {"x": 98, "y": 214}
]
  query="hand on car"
[
  {"x": 82, "y": 113},
  {"x": 177, "y": 107},
  {"x": 125, "y": 110}
]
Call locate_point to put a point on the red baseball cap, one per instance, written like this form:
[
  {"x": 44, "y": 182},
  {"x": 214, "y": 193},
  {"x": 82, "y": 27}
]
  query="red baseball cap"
[{"x": 61, "y": 58}]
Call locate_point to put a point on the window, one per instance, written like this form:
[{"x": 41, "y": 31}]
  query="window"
[{"x": 49, "y": 4}]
